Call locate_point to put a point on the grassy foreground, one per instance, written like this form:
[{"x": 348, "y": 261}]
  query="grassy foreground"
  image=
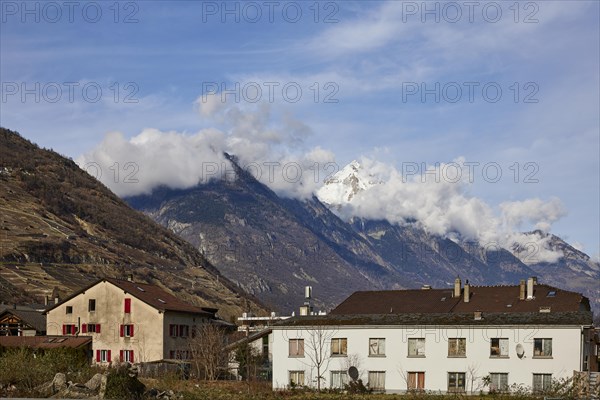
[{"x": 230, "y": 390}]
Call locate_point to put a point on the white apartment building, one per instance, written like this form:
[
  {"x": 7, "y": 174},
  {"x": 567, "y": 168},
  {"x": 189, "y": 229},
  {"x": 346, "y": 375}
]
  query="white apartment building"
[{"x": 444, "y": 340}]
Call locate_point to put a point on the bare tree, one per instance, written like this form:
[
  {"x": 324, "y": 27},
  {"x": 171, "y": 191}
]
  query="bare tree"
[
  {"x": 317, "y": 349},
  {"x": 207, "y": 348},
  {"x": 472, "y": 376}
]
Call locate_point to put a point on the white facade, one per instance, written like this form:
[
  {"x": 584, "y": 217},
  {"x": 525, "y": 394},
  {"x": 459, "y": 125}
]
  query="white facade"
[{"x": 396, "y": 367}]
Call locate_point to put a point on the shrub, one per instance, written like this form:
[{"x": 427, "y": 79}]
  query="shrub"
[
  {"x": 121, "y": 386},
  {"x": 27, "y": 368}
]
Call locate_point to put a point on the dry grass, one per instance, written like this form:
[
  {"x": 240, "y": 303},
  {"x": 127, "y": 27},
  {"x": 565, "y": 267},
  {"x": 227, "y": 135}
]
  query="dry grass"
[{"x": 231, "y": 390}]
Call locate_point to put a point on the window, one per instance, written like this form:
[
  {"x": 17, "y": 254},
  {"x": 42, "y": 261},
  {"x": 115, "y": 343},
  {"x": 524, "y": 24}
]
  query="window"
[
  {"x": 296, "y": 378},
  {"x": 339, "y": 379},
  {"x": 92, "y": 305},
  {"x": 457, "y": 347},
  {"x": 173, "y": 330},
  {"x": 103, "y": 356},
  {"x": 265, "y": 345},
  {"x": 377, "y": 380},
  {"x": 69, "y": 329},
  {"x": 416, "y": 381},
  {"x": 69, "y": 309},
  {"x": 126, "y": 330},
  {"x": 416, "y": 347},
  {"x": 499, "y": 347},
  {"x": 297, "y": 348},
  {"x": 184, "y": 330},
  {"x": 339, "y": 346},
  {"x": 90, "y": 328},
  {"x": 456, "y": 381},
  {"x": 180, "y": 354},
  {"x": 542, "y": 382},
  {"x": 126, "y": 356},
  {"x": 542, "y": 347},
  {"x": 376, "y": 347},
  {"x": 127, "y": 306},
  {"x": 498, "y": 382}
]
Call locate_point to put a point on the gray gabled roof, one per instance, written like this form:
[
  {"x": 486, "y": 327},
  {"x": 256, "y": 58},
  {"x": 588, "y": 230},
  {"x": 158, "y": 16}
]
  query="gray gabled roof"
[{"x": 33, "y": 318}]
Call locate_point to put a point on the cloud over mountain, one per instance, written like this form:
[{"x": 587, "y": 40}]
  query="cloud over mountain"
[{"x": 272, "y": 147}]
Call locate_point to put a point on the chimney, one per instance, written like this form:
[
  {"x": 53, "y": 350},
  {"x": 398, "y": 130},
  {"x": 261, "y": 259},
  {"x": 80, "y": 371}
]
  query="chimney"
[
  {"x": 46, "y": 300},
  {"x": 130, "y": 277},
  {"x": 477, "y": 316},
  {"x": 530, "y": 283},
  {"x": 522, "y": 289},
  {"x": 56, "y": 300},
  {"x": 457, "y": 284},
  {"x": 307, "y": 292},
  {"x": 467, "y": 295}
]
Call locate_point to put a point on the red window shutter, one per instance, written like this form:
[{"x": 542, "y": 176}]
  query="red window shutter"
[
  {"x": 131, "y": 331},
  {"x": 64, "y": 329},
  {"x": 131, "y": 359},
  {"x": 98, "y": 359},
  {"x": 109, "y": 357},
  {"x": 97, "y": 328},
  {"x": 84, "y": 328},
  {"x": 122, "y": 330},
  {"x": 121, "y": 356},
  {"x": 127, "y": 306}
]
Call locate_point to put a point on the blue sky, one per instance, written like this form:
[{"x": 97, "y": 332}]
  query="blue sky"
[{"x": 372, "y": 59}]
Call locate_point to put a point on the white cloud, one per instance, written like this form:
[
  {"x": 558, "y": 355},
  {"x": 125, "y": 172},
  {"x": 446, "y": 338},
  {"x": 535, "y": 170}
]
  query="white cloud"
[{"x": 537, "y": 212}]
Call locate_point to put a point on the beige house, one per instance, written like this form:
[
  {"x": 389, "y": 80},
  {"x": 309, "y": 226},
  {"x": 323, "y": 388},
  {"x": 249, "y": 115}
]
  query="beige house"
[{"x": 128, "y": 321}]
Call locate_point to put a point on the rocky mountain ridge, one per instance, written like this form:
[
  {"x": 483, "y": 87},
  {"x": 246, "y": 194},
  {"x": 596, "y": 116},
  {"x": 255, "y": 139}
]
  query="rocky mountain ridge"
[{"x": 272, "y": 246}]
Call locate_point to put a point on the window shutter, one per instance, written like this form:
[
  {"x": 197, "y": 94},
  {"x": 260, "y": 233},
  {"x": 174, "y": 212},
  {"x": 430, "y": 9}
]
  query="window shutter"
[
  {"x": 127, "y": 306},
  {"x": 131, "y": 331},
  {"x": 122, "y": 330},
  {"x": 121, "y": 355},
  {"x": 131, "y": 359},
  {"x": 84, "y": 328},
  {"x": 64, "y": 329},
  {"x": 98, "y": 359},
  {"x": 109, "y": 357},
  {"x": 97, "y": 328}
]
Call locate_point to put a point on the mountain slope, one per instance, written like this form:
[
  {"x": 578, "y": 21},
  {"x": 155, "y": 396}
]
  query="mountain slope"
[
  {"x": 60, "y": 228},
  {"x": 273, "y": 246},
  {"x": 264, "y": 243}
]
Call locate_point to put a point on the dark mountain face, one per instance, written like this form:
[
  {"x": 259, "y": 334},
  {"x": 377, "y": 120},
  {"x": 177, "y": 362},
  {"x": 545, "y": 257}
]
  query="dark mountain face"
[
  {"x": 430, "y": 259},
  {"x": 60, "y": 228},
  {"x": 272, "y": 247}
]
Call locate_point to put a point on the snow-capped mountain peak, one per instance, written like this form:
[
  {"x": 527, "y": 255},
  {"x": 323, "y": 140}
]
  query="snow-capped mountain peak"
[{"x": 341, "y": 187}]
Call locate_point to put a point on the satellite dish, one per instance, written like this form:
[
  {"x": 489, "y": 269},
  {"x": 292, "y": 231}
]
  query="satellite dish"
[
  {"x": 520, "y": 350},
  {"x": 353, "y": 372}
]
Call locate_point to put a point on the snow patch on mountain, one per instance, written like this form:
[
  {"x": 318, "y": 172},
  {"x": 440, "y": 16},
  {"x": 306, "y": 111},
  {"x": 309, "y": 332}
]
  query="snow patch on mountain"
[{"x": 341, "y": 187}]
